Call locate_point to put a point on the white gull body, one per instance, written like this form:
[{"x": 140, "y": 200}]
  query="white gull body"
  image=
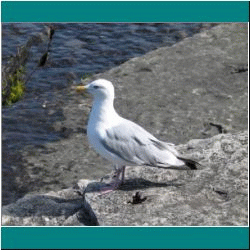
[{"x": 123, "y": 142}]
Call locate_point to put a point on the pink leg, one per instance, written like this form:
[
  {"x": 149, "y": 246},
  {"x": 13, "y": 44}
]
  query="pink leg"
[{"x": 116, "y": 183}]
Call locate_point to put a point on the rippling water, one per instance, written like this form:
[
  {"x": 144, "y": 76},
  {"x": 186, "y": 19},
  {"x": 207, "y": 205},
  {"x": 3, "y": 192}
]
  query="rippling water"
[{"x": 77, "y": 49}]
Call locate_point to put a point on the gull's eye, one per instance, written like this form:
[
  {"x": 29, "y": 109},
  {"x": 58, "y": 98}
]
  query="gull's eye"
[{"x": 96, "y": 87}]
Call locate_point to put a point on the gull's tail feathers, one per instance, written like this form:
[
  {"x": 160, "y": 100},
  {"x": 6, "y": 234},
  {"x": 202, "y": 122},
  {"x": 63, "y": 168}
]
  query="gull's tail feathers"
[
  {"x": 191, "y": 164},
  {"x": 188, "y": 164}
]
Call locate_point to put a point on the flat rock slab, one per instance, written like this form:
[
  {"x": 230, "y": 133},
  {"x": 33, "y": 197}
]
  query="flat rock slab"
[
  {"x": 216, "y": 195},
  {"x": 176, "y": 92}
]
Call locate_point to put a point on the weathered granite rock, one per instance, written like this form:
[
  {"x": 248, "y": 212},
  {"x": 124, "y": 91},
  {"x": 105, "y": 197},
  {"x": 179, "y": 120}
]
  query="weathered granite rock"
[
  {"x": 177, "y": 92},
  {"x": 64, "y": 208},
  {"x": 214, "y": 196},
  {"x": 217, "y": 195}
]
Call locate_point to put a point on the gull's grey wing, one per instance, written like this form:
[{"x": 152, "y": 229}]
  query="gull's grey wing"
[{"x": 136, "y": 146}]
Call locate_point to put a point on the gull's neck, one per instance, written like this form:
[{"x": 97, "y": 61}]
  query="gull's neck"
[{"x": 103, "y": 110}]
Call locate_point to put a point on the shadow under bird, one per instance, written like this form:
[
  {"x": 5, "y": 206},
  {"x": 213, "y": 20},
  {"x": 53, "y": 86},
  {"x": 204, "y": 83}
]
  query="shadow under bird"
[{"x": 122, "y": 141}]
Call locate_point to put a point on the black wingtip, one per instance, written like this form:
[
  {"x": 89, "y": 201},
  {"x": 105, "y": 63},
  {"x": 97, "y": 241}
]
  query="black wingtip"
[{"x": 193, "y": 165}]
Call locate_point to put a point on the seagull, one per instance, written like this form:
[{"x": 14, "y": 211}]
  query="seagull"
[{"x": 123, "y": 142}]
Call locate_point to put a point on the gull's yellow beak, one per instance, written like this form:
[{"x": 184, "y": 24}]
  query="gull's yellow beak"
[{"x": 80, "y": 89}]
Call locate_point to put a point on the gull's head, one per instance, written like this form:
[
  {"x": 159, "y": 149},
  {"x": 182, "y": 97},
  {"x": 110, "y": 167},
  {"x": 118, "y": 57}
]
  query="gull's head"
[{"x": 99, "y": 89}]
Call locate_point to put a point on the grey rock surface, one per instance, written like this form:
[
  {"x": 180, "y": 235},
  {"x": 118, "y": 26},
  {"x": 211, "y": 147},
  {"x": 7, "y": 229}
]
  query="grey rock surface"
[
  {"x": 194, "y": 93},
  {"x": 64, "y": 208},
  {"x": 216, "y": 195}
]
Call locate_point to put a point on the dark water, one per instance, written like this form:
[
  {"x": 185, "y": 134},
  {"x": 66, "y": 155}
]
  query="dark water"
[{"x": 77, "y": 50}]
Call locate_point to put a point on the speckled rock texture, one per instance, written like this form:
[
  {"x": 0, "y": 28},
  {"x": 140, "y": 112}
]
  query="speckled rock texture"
[
  {"x": 64, "y": 208},
  {"x": 216, "y": 195}
]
